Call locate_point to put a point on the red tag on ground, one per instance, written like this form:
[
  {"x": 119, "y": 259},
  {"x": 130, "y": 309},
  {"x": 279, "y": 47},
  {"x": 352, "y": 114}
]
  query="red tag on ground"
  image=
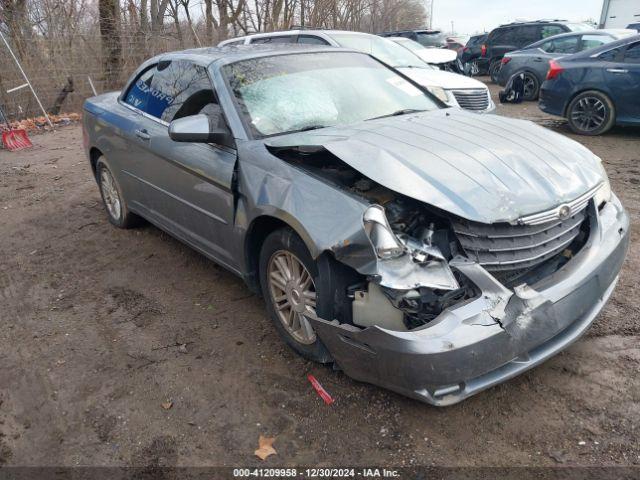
[{"x": 328, "y": 399}]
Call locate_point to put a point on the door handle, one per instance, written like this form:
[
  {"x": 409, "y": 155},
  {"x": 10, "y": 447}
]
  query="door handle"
[
  {"x": 143, "y": 134},
  {"x": 537, "y": 59},
  {"x": 617, "y": 70}
]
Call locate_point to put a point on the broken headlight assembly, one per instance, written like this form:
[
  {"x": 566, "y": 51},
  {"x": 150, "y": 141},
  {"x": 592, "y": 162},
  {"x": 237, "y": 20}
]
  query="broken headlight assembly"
[
  {"x": 603, "y": 194},
  {"x": 384, "y": 241},
  {"x": 414, "y": 282}
]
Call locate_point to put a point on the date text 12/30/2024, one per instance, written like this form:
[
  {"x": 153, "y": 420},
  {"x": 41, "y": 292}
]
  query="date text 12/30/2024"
[{"x": 315, "y": 473}]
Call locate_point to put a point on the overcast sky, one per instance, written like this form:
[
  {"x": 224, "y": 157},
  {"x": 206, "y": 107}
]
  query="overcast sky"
[{"x": 471, "y": 16}]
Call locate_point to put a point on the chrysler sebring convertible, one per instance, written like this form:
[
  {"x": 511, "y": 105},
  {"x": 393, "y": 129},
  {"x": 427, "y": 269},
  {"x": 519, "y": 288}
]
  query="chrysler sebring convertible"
[{"x": 425, "y": 249}]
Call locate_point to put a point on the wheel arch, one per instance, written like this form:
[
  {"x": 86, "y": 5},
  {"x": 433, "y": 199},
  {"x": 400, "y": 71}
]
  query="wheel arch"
[
  {"x": 258, "y": 230},
  {"x": 94, "y": 155}
]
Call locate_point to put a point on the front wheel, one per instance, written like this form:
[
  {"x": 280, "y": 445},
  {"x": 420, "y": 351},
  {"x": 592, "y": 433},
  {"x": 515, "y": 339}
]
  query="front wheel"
[
  {"x": 531, "y": 87},
  {"x": 293, "y": 282},
  {"x": 591, "y": 113}
]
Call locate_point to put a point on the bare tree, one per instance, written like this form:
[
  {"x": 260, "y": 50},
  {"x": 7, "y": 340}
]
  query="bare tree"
[{"x": 111, "y": 47}]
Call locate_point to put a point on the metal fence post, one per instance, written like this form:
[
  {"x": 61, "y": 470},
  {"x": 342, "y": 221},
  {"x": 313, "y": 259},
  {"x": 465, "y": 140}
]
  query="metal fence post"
[{"x": 26, "y": 79}]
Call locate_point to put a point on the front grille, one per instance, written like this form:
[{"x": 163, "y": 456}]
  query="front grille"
[
  {"x": 505, "y": 247},
  {"x": 472, "y": 99}
]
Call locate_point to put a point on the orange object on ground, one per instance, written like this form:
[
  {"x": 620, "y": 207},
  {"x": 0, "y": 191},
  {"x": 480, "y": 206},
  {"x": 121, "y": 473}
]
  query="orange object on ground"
[
  {"x": 16, "y": 140},
  {"x": 328, "y": 399}
]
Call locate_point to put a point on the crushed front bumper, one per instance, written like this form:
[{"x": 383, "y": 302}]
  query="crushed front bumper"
[{"x": 494, "y": 337}]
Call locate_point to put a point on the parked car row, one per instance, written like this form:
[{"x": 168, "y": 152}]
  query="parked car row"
[
  {"x": 595, "y": 89},
  {"x": 430, "y": 250},
  {"x": 533, "y": 60},
  {"x": 410, "y": 58}
]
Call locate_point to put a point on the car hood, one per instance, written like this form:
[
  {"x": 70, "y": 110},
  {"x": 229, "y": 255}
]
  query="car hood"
[
  {"x": 437, "y": 56},
  {"x": 483, "y": 168},
  {"x": 439, "y": 78}
]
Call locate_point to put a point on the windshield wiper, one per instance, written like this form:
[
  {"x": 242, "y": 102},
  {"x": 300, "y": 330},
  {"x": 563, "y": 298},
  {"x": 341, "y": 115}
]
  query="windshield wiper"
[
  {"x": 404, "y": 111},
  {"x": 311, "y": 127}
]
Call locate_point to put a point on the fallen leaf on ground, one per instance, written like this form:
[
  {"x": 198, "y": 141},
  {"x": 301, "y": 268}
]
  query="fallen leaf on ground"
[
  {"x": 265, "y": 447},
  {"x": 167, "y": 405}
]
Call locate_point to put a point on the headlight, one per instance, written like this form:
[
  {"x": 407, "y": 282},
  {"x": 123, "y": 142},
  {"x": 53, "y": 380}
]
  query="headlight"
[
  {"x": 439, "y": 92},
  {"x": 604, "y": 192},
  {"x": 382, "y": 238}
]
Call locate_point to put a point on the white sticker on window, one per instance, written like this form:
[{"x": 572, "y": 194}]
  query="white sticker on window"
[{"x": 401, "y": 84}]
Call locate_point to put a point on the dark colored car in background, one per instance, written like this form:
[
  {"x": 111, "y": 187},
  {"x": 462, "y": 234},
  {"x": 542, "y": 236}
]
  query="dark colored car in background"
[
  {"x": 595, "y": 89},
  {"x": 428, "y": 38},
  {"x": 470, "y": 56},
  {"x": 634, "y": 26},
  {"x": 533, "y": 60},
  {"x": 513, "y": 36}
]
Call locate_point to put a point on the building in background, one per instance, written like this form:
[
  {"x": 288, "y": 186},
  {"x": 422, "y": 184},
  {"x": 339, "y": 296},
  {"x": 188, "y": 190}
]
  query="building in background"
[{"x": 619, "y": 13}]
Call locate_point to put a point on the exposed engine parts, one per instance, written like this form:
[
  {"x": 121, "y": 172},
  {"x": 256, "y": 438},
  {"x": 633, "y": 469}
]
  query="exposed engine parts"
[{"x": 415, "y": 243}]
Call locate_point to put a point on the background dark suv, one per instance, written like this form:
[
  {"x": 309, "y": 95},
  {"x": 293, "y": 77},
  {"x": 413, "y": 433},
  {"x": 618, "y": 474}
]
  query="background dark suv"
[
  {"x": 470, "y": 56},
  {"x": 514, "y": 36}
]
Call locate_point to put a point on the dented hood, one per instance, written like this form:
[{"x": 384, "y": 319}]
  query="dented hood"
[{"x": 483, "y": 168}]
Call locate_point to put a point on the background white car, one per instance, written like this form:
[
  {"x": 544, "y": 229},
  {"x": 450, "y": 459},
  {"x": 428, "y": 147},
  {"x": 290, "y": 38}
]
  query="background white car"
[
  {"x": 431, "y": 55},
  {"x": 453, "y": 89}
]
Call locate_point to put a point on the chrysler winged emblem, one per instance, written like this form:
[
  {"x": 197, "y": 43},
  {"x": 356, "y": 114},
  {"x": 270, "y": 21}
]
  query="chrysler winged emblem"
[{"x": 564, "y": 212}]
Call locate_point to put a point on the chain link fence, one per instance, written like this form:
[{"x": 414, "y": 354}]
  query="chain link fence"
[{"x": 72, "y": 63}]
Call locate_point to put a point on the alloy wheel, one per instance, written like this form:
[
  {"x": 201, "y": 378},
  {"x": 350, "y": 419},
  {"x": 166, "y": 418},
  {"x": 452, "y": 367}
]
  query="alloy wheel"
[
  {"x": 110, "y": 194},
  {"x": 529, "y": 86},
  {"x": 589, "y": 114},
  {"x": 293, "y": 292}
]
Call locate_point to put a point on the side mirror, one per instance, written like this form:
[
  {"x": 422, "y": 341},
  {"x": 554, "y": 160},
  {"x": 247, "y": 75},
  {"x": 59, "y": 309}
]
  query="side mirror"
[{"x": 199, "y": 129}]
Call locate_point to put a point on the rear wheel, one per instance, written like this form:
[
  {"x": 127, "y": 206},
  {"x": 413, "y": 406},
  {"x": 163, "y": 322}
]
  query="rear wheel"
[
  {"x": 494, "y": 70},
  {"x": 531, "y": 86},
  {"x": 112, "y": 198},
  {"x": 591, "y": 113}
]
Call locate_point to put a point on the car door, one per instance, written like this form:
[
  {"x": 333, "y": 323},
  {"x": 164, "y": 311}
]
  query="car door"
[
  {"x": 552, "y": 48},
  {"x": 623, "y": 78},
  {"x": 188, "y": 186}
]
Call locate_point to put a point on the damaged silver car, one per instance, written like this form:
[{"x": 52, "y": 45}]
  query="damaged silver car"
[{"x": 417, "y": 247}]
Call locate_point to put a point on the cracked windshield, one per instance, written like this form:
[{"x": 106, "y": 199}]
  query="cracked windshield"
[{"x": 292, "y": 93}]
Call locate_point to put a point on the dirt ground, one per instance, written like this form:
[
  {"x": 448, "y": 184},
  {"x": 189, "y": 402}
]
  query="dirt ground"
[{"x": 92, "y": 319}]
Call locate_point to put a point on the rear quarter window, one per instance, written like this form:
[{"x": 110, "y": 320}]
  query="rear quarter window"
[
  {"x": 277, "y": 39},
  {"x": 138, "y": 92},
  {"x": 632, "y": 55}
]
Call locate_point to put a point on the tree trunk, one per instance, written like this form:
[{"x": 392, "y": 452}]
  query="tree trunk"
[
  {"x": 57, "y": 105},
  {"x": 144, "y": 16},
  {"x": 111, "y": 46},
  {"x": 208, "y": 20},
  {"x": 17, "y": 21}
]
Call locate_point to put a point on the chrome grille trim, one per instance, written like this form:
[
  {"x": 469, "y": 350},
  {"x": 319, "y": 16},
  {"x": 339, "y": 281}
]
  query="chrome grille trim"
[
  {"x": 575, "y": 205},
  {"x": 473, "y": 99},
  {"x": 507, "y": 247}
]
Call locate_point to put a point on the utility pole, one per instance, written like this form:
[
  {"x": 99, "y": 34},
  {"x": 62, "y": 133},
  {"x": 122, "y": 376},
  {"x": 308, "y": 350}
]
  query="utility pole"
[{"x": 431, "y": 14}]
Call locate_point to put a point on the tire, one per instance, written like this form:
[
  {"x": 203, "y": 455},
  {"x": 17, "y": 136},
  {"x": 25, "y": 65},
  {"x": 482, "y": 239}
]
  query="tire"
[
  {"x": 112, "y": 198},
  {"x": 591, "y": 113},
  {"x": 531, "y": 87},
  {"x": 328, "y": 282},
  {"x": 494, "y": 70}
]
